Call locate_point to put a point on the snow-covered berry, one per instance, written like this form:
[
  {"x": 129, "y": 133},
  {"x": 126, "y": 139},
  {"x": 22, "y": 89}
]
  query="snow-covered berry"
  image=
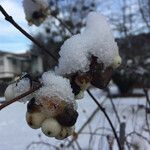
[
  {"x": 55, "y": 94},
  {"x": 96, "y": 40},
  {"x": 15, "y": 89},
  {"x": 36, "y": 11},
  {"x": 9, "y": 92},
  {"x": 51, "y": 128},
  {"x": 35, "y": 119}
]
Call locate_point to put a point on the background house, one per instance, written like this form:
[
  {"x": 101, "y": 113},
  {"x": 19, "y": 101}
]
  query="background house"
[{"x": 14, "y": 64}]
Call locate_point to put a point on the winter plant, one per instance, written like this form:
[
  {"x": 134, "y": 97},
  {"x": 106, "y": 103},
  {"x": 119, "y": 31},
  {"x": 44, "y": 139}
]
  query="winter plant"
[{"x": 88, "y": 58}]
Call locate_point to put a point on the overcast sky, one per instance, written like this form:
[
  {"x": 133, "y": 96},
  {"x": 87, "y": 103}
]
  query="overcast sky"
[{"x": 11, "y": 39}]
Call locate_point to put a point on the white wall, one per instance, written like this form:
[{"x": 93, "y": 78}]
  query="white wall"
[{"x": 12, "y": 69}]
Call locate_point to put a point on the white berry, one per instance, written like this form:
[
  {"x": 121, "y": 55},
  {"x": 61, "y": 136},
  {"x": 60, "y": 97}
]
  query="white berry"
[
  {"x": 50, "y": 127},
  {"x": 9, "y": 92},
  {"x": 35, "y": 119}
]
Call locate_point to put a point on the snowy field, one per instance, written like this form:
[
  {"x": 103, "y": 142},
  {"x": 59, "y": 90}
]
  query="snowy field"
[{"x": 16, "y": 135}]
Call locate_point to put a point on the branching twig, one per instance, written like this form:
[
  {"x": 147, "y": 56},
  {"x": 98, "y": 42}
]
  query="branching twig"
[
  {"x": 107, "y": 117},
  {"x": 19, "y": 97},
  {"x": 84, "y": 125},
  {"x": 11, "y": 20},
  {"x": 142, "y": 14},
  {"x": 147, "y": 96},
  {"x": 64, "y": 24},
  {"x": 42, "y": 143},
  {"x": 143, "y": 137}
]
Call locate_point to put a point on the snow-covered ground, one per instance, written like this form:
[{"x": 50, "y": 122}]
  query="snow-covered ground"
[{"x": 16, "y": 135}]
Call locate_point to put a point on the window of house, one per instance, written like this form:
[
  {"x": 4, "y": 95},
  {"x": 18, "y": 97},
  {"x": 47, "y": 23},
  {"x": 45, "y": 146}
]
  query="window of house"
[
  {"x": 14, "y": 62},
  {"x": 1, "y": 62}
]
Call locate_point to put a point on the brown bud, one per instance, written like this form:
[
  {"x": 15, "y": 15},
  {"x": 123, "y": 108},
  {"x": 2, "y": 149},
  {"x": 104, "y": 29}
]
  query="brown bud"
[
  {"x": 32, "y": 106},
  {"x": 68, "y": 117}
]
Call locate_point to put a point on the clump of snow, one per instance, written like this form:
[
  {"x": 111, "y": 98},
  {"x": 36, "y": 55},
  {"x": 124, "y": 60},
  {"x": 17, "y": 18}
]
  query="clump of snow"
[
  {"x": 100, "y": 39},
  {"x": 36, "y": 11},
  {"x": 73, "y": 56},
  {"x": 55, "y": 88},
  {"x": 97, "y": 39}
]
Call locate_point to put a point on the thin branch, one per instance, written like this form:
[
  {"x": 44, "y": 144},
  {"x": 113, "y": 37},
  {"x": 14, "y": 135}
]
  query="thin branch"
[
  {"x": 138, "y": 134},
  {"x": 142, "y": 14},
  {"x": 85, "y": 124},
  {"x": 11, "y": 20},
  {"x": 147, "y": 120},
  {"x": 78, "y": 145},
  {"x": 107, "y": 117},
  {"x": 19, "y": 97},
  {"x": 64, "y": 24},
  {"x": 147, "y": 96},
  {"x": 113, "y": 105}
]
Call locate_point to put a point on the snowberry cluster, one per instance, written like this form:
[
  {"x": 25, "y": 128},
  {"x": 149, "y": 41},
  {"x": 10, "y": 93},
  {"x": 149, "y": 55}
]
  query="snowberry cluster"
[
  {"x": 88, "y": 58},
  {"x": 51, "y": 108}
]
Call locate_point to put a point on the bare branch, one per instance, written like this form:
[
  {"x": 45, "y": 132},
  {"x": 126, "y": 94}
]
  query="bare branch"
[
  {"x": 143, "y": 16},
  {"x": 107, "y": 117}
]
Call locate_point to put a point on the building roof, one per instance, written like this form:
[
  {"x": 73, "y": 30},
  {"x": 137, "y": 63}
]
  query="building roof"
[{"x": 26, "y": 55}]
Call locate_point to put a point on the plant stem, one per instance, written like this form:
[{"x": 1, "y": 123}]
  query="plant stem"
[{"x": 107, "y": 117}]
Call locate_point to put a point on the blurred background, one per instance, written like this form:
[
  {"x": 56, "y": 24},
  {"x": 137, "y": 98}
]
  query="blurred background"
[
  {"x": 130, "y": 23},
  {"x": 129, "y": 19}
]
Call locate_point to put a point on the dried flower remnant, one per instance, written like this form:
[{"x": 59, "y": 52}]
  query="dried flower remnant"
[{"x": 36, "y": 11}]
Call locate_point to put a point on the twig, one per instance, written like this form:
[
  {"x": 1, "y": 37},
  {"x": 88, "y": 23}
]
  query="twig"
[
  {"x": 127, "y": 95},
  {"x": 42, "y": 143},
  {"x": 85, "y": 124},
  {"x": 143, "y": 16},
  {"x": 78, "y": 145},
  {"x": 19, "y": 97},
  {"x": 143, "y": 137},
  {"x": 122, "y": 135},
  {"x": 146, "y": 120},
  {"x": 11, "y": 20},
  {"x": 147, "y": 96},
  {"x": 107, "y": 117},
  {"x": 64, "y": 24},
  {"x": 113, "y": 105}
]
